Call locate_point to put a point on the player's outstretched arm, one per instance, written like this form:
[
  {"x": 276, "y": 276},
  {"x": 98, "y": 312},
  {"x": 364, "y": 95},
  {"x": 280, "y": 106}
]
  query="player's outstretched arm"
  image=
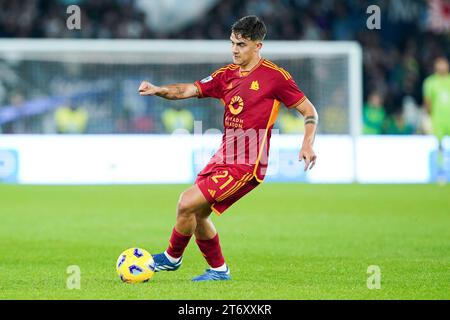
[
  {"x": 307, "y": 153},
  {"x": 171, "y": 91}
]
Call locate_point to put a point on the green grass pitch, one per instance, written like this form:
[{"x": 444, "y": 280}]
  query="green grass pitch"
[{"x": 281, "y": 241}]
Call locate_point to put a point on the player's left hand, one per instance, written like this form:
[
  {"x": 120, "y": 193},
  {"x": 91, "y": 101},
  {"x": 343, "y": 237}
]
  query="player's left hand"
[{"x": 307, "y": 154}]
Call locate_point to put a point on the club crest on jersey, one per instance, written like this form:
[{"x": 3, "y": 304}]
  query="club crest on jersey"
[
  {"x": 255, "y": 85},
  {"x": 236, "y": 105},
  {"x": 207, "y": 79}
]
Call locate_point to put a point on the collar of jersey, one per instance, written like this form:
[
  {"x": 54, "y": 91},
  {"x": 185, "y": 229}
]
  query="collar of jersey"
[{"x": 252, "y": 69}]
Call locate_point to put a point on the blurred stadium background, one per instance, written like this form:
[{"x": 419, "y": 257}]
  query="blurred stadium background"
[
  {"x": 70, "y": 114},
  {"x": 81, "y": 82}
]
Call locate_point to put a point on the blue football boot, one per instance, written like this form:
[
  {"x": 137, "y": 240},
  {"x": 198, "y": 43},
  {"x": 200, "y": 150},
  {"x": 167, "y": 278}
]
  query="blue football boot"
[
  {"x": 213, "y": 275},
  {"x": 162, "y": 263}
]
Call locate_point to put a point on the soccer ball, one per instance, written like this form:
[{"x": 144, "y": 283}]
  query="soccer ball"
[{"x": 135, "y": 265}]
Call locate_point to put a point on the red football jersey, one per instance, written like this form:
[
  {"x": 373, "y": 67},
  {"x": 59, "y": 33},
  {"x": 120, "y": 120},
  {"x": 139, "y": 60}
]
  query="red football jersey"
[{"x": 251, "y": 100}]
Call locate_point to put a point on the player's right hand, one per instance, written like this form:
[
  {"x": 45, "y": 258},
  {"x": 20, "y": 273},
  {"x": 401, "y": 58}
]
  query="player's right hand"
[{"x": 147, "y": 89}]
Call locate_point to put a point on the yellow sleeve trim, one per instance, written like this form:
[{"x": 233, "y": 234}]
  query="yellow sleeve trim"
[
  {"x": 285, "y": 74},
  {"x": 199, "y": 89},
  {"x": 223, "y": 69},
  {"x": 299, "y": 102}
]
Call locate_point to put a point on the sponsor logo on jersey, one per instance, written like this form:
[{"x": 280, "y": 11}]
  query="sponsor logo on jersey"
[{"x": 236, "y": 105}]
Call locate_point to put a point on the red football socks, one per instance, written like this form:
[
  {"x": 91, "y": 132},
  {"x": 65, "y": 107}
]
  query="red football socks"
[
  {"x": 211, "y": 251},
  {"x": 177, "y": 243}
]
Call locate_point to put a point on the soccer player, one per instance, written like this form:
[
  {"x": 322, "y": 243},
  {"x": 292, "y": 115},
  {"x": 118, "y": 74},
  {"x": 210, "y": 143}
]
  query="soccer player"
[
  {"x": 436, "y": 92},
  {"x": 251, "y": 89}
]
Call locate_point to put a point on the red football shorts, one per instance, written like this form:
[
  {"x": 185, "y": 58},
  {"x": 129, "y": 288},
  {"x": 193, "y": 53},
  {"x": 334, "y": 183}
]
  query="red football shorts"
[{"x": 223, "y": 185}]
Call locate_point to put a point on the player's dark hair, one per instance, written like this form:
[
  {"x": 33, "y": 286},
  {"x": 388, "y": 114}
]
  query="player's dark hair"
[{"x": 250, "y": 27}]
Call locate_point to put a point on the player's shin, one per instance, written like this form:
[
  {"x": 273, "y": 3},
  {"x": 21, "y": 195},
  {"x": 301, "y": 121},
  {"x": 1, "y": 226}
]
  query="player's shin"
[
  {"x": 177, "y": 244},
  {"x": 212, "y": 252}
]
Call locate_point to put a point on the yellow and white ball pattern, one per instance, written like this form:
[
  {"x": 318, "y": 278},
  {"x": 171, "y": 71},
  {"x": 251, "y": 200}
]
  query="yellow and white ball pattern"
[{"x": 135, "y": 265}]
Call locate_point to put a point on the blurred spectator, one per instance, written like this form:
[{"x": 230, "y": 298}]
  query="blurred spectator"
[
  {"x": 71, "y": 119},
  {"x": 374, "y": 114},
  {"x": 334, "y": 114},
  {"x": 142, "y": 124},
  {"x": 414, "y": 116},
  {"x": 396, "y": 124},
  {"x": 436, "y": 91},
  {"x": 177, "y": 118},
  {"x": 342, "y": 28},
  {"x": 17, "y": 100},
  {"x": 290, "y": 122},
  {"x": 310, "y": 30},
  {"x": 38, "y": 18}
]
